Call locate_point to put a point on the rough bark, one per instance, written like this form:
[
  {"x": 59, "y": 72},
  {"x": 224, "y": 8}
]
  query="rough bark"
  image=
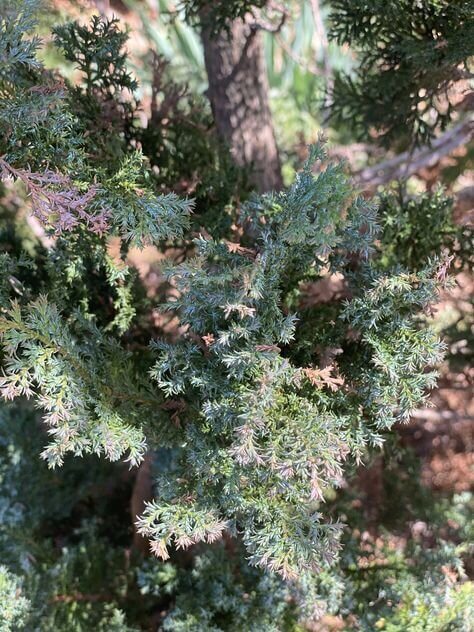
[{"x": 238, "y": 92}]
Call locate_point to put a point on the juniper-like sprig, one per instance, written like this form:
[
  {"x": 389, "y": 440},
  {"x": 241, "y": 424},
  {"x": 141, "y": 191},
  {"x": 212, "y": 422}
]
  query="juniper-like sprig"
[
  {"x": 278, "y": 439},
  {"x": 91, "y": 399},
  {"x": 259, "y": 405},
  {"x": 46, "y": 146}
]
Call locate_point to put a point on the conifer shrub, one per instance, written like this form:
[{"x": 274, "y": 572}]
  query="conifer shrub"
[{"x": 255, "y": 413}]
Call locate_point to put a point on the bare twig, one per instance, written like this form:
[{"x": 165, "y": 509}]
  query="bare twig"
[
  {"x": 410, "y": 162},
  {"x": 428, "y": 414},
  {"x": 77, "y": 596},
  {"x": 268, "y": 25},
  {"x": 322, "y": 40},
  {"x": 311, "y": 68},
  {"x": 322, "y": 44}
]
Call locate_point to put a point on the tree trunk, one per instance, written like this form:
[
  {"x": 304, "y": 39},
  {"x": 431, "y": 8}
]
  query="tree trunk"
[
  {"x": 142, "y": 492},
  {"x": 238, "y": 92}
]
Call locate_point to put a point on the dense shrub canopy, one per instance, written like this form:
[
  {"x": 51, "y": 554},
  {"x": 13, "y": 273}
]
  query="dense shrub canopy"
[{"x": 256, "y": 408}]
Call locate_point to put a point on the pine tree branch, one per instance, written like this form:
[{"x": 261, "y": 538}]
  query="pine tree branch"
[{"x": 78, "y": 596}]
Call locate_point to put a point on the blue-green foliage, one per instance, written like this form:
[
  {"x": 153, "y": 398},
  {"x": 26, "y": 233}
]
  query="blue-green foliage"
[
  {"x": 39, "y": 131},
  {"x": 274, "y": 438},
  {"x": 85, "y": 579},
  {"x": 396, "y": 589},
  {"x": 258, "y": 441},
  {"x": 14, "y": 606},
  {"x": 219, "y": 592},
  {"x": 70, "y": 584},
  {"x": 90, "y": 399},
  {"x": 257, "y": 425},
  {"x": 179, "y": 141}
]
